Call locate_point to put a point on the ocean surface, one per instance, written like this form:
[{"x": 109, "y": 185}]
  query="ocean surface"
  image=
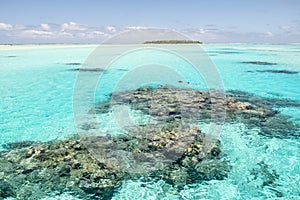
[{"x": 36, "y": 93}]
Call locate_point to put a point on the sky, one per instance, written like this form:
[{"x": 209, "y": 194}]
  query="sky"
[{"x": 92, "y": 21}]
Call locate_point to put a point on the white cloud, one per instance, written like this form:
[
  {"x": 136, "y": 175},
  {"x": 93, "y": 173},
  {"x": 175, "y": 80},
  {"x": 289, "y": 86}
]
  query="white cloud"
[
  {"x": 65, "y": 34},
  {"x": 72, "y": 31},
  {"x": 81, "y": 34},
  {"x": 98, "y": 33},
  {"x": 73, "y": 26},
  {"x": 19, "y": 27},
  {"x": 204, "y": 34},
  {"x": 284, "y": 27},
  {"x": 201, "y": 31},
  {"x": 4, "y": 26},
  {"x": 36, "y": 33},
  {"x": 136, "y": 27},
  {"x": 9, "y": 27},
  {"x": 94, "y": 34},
  {"x": 268, "y": 34},
  {"x": 111, "y": 29},
  {"x": 45, "y": 27}
]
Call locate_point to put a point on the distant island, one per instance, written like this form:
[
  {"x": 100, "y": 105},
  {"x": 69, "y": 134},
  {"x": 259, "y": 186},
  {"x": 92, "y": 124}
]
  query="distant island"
[{"x": 173, "y": 42}]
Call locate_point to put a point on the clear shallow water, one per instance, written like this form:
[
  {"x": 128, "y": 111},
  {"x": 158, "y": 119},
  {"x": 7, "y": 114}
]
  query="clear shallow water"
[
  {"x": 36, "y": 90},
  {"x": 36, "y": 93}
]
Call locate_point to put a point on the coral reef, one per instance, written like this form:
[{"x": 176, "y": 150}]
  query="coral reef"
[
  {"x": 63, "y": 166},
  {"x": 180, "y": 156},
  {"x": 167, "y": 104},
  {"x": 173, "y": 149}
]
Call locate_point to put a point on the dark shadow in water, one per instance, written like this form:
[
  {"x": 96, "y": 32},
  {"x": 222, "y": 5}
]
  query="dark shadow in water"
[
  {"x": 212, "y": 54},
  {"x": 9, "y": 56},
  {"x": 280, "y": 71},
  {"x": 95, "y": 70},
  {"x": 258, "y": 63},
  {"x": 224, "y": 52},
  {"x": 73, "y": 63},
  {"x": 87, "y": 69}
]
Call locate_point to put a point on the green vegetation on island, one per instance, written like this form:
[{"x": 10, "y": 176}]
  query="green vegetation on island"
[{"x": 173, "y": 42}]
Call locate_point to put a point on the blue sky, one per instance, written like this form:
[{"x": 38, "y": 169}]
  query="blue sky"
[{"x": 91, "y": 21}]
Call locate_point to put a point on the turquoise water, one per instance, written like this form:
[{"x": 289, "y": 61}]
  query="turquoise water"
[{"x": 36, "y": 91}]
